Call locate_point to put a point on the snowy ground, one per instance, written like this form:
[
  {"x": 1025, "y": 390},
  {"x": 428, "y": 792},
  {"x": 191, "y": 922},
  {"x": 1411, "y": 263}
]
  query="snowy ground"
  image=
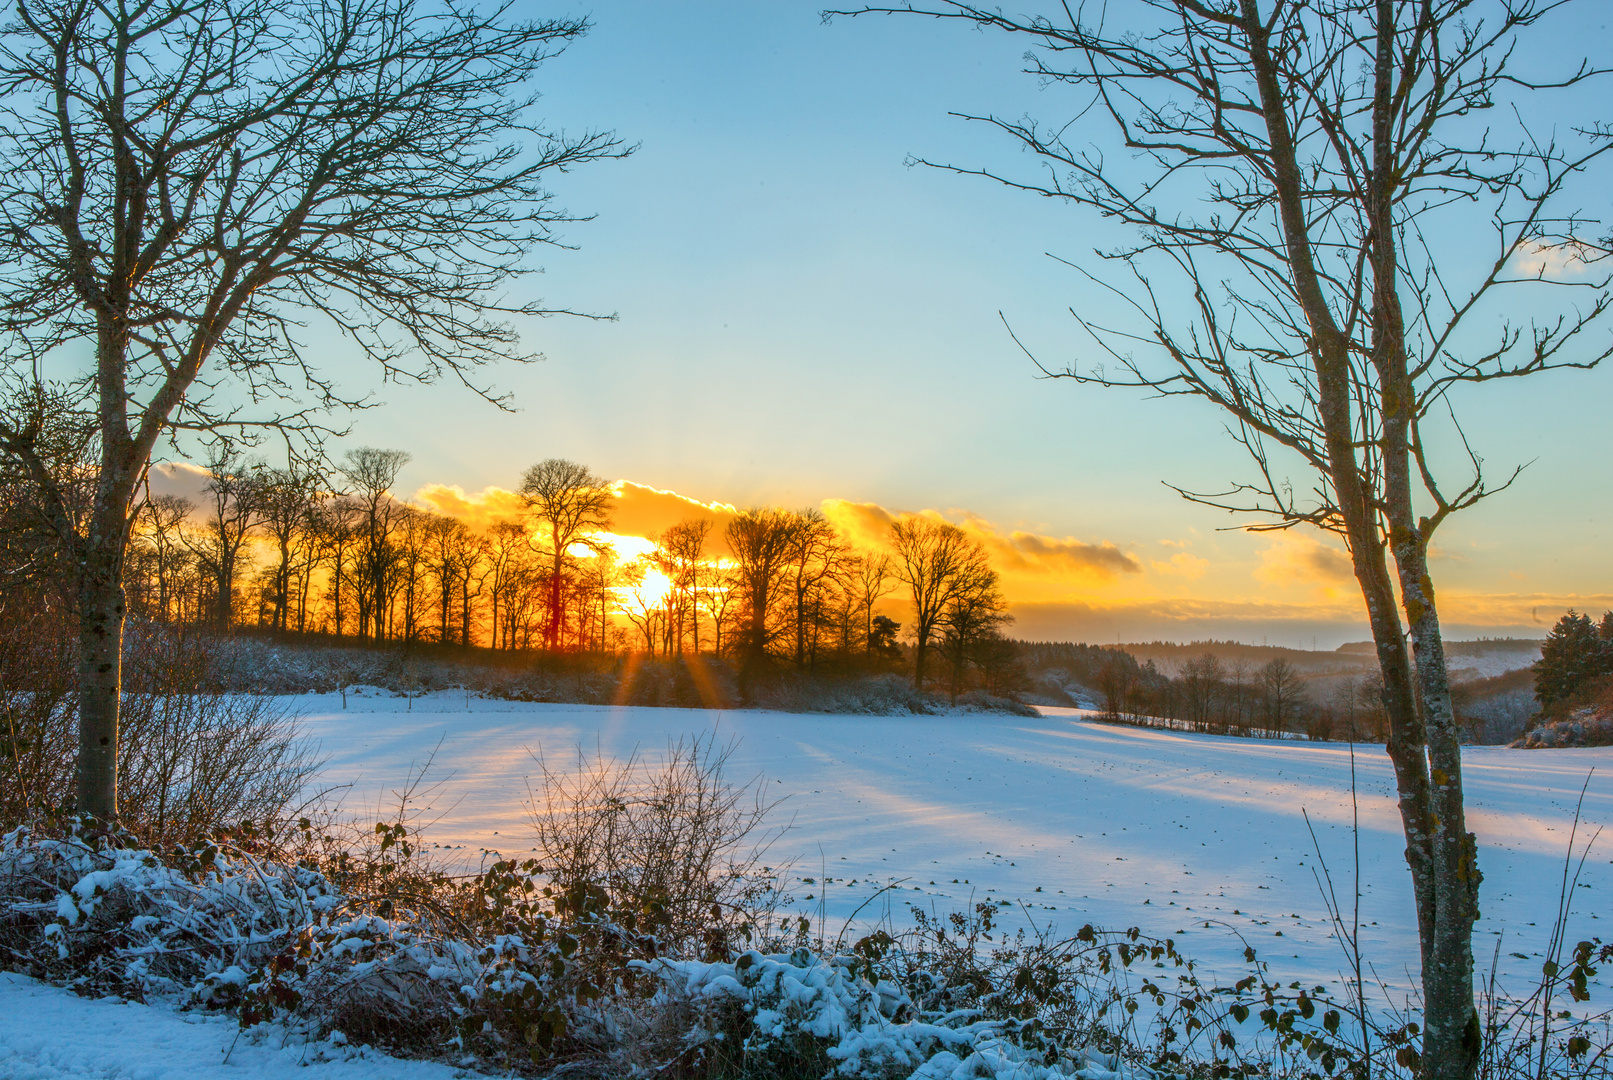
[
  {"x": 47, "y": 1033},
  {"x": 1075, "y": 820},
  {"x": 1078, "y": 821}
]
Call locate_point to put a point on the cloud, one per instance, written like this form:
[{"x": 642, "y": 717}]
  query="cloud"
[
  {"x": 482, "y": 510},
  {"x": 1188, "y": 619},
  {"x": 1569, "y": 258},
  {"x": 178, "y": 478},
  {"x": 867, "y": 525},
  {"x": 641, "y": 510},
  {"x": 1049, "y": 555},
  {"x": 1294, "y": 558},
  {"x": 1532, "y": 613},
  {"x": 1183, "y": 564}
]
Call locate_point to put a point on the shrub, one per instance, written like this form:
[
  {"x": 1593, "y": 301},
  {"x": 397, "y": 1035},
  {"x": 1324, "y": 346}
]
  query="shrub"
[
  {"x": 670, "y": 846},
  {"x": 192, "y": 759}
]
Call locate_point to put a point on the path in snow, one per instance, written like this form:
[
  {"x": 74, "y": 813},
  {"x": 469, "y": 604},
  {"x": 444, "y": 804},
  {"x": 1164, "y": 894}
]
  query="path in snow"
[{"x": 1117, "y": 826}]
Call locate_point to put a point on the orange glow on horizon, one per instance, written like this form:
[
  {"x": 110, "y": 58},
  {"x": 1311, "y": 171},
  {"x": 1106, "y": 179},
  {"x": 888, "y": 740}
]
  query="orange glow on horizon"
[{"x": 648, "y": 594}]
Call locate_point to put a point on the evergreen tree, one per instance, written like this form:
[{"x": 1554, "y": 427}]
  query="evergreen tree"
[{"x": 1575, "y": 652}]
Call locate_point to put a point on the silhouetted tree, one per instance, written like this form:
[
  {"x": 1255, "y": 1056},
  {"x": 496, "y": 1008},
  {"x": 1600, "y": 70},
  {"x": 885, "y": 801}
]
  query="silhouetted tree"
[
  {"x": 762, "y": 541},
  {"x": 163, "y": 518},
  {"x": 575, "y": 503},
  {"x": 233, "y": 510},
  {"x": 972, "y": 617},
  {"x": 286, "y": 505},
  {"x": 872, "y": 579},
  {"x": 935, "y": 560},
  {"x": 371, "y": 473}
]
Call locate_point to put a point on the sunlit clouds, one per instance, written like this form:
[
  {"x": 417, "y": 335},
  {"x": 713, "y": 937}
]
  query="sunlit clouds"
[
  {"x": 1183, "y": 564},
  {"x": 1017, "y": 554},
  {"x": 1293, "y": 586},
  {"x": 1300, "y": 561}
]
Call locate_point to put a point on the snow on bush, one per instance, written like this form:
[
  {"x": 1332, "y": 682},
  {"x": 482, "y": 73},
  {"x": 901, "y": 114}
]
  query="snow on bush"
[
  {"x": 799, "y": 1006},
  {"x": 261, "y": 937},
  {"x": 220, "y": 927}
]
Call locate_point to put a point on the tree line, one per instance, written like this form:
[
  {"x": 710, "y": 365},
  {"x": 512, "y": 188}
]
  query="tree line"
[
  {"x": 299, "y": 549},
  {"x": 1271, "y": 700}
]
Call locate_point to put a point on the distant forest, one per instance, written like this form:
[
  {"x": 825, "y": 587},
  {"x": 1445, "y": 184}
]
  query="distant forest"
[
  {"x": 322, "y": 559},
  {"x": 335, "y": 555}
]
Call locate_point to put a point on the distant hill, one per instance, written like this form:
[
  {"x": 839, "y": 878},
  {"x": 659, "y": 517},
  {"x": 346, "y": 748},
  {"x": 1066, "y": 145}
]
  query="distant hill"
[
  {"x": 1475, "y": 659},
  {"x": 1169, "y": 656}
]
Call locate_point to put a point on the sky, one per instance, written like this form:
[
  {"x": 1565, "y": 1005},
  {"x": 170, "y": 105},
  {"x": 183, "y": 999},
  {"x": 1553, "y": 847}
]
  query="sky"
[{"x": 802, "y": 318}]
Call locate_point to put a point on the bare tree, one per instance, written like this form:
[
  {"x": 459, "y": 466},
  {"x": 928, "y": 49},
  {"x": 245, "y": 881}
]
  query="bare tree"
[
  {"x": 720, "y": 597},
  {"x": 1115, "y": 680},
  {"x": 1203, "y": 680},
  {"x": 1287, "y": 166},
  {"x": 372, "y": 473},
  {"x": 972, "y": 617},
  {"x": 508, "y": 572},
  {"x": 936, "y": 560},
  {"x": 234, "y": 511},
  {"x": 762, "y": 541},
  {"x": 575, "y": 503},
  {"x": 1281, "y": 692},
  {"x": 816, "y": 551},
  {"x": 337, "y": 529},
  {"x": 179, "y": 181},
  {"x": 285, "y": 505},
  {"x": 164, "y": 517},
  {"x": 449, "y": 550},
  {"x": 873, "y": 579},
  {"x": 685, "y": 545}
]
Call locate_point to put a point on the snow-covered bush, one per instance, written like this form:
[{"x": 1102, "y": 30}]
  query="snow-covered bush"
[
  {"x": 805, "y": 1014},
  {"x": 481, "y": 963},
  {"x": 505, "y": 970},
  {"x": 125, "y": 920}
]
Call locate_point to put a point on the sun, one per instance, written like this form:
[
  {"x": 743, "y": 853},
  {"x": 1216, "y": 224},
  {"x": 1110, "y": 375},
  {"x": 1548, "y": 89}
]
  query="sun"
[{"x": 648, "y": 594}]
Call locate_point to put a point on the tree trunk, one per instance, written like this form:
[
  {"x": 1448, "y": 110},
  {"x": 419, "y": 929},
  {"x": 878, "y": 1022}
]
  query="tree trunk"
[{"x": 100, "y": 667}]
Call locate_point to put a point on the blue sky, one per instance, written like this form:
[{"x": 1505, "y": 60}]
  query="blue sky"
[{"x": 802, "y": 316}]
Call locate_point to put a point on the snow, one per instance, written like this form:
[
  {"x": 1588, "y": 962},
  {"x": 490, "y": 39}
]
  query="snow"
[
  {"x": 1116, "y": 826},
  {"x": 52, "y": 1034},
  {"x": 1065, "y": 819}
]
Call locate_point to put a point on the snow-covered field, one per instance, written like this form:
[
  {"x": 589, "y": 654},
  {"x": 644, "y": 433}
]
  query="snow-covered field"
[
  {"x": 1200, "y": 838},
  {"x": 1069, "y": 820}
]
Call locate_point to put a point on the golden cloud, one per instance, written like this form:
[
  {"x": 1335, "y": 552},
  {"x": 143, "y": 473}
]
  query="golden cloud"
[
  {"x": 482, "y": 510},
  {"x": 1183, "y": 564},
  {"x": 638, "y": 512},
  {"x": 1018, "y": 552},
  {"x": 1538, "y": 610},
  {"x": 1185, "y": 619},
  {"x": 641, "y": 510},
  {"x": 864, "y": 525},
  {"x": 1293, "y": 558}
]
